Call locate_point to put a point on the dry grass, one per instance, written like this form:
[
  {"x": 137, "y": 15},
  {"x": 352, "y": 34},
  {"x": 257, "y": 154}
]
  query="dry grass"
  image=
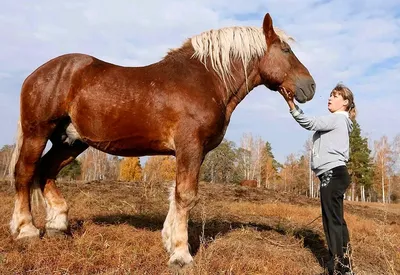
[{"x": 233, "y": 230}]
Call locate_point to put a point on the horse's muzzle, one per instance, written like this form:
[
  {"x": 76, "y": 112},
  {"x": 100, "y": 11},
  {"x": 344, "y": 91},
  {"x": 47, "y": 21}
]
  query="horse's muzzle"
[{"x": 305, "y": 90}]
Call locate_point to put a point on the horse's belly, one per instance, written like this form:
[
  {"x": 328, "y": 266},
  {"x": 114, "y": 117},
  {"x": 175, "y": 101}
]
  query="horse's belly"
[
  {"x": 124, "y": 142},
  {"x": 134, "y": 147}
]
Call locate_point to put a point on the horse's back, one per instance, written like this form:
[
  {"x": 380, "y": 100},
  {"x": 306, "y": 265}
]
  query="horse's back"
[
  {"x": 72, "y": 61},
  {"x": 60, "y": 71},
  {"x": 45, "y": 91}
]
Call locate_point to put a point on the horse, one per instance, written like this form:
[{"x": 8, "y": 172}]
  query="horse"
[
  {"x": 249, "y": 183},
  {"x": 179, "y": 106}
]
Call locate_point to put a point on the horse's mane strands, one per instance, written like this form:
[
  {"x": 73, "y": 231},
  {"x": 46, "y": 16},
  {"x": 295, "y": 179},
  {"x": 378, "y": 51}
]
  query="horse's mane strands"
[{"x": 223, "y": 45}]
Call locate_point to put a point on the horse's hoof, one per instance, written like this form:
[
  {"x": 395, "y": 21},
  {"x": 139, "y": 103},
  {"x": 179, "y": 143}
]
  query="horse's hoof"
[
  {"x": 28, "y": 232},
  {"x": 55, "y": 233},
  {"x": 180, "y": 259}
]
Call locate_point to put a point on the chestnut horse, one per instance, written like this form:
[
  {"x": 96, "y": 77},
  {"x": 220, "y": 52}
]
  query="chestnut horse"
[
  {"x": 178, "y": 106},
  {"x": 249, "y": 183}
]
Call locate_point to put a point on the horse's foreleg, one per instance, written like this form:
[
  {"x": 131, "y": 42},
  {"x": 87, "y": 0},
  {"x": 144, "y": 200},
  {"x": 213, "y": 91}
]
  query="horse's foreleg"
[{"x": 175, "y": 231}]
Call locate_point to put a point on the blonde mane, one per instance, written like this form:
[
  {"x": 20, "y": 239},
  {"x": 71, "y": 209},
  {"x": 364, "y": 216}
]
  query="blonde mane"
[{"x": 232, "y": 43}]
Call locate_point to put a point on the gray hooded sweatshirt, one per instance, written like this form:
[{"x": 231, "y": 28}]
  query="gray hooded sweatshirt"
[{"x": 330, "y": 141}]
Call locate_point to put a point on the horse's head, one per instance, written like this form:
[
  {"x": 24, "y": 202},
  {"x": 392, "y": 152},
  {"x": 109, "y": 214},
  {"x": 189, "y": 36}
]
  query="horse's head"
[{"x": 279, "y": 67}]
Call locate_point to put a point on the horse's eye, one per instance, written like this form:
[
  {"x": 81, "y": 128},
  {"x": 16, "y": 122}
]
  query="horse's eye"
[{"x": 286, "y": 50}]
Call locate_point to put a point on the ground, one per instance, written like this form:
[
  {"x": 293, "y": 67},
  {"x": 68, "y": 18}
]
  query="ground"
[{"x": 116, "y": 229}]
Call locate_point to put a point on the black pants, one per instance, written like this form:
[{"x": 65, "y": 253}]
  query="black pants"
[{"x": 333, "y": 187}]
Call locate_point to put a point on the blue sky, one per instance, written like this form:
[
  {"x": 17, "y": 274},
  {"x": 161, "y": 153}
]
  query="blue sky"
[{"x": 356, "y": 42}]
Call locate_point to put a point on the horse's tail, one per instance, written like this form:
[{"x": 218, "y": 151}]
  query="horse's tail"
[
  {"x": 36, "y": 193},
  {"x": 15, "y": 154},
  {"x": 37, "y": 198}
]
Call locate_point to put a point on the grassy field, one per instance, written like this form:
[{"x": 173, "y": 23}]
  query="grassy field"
[{"x": 116, "y": 229}]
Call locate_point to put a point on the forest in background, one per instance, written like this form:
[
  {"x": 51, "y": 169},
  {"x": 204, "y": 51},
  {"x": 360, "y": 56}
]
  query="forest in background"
[{"x": 375, "y": 172}]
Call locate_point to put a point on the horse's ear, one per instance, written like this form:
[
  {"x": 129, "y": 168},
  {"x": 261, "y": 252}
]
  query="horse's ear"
[{"x": 268, "y": 28}]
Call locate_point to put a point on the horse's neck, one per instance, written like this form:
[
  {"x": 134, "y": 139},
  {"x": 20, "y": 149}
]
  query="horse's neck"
[
  {"x": 242, "y": 86},
  {"x": 235, "y": 87}
]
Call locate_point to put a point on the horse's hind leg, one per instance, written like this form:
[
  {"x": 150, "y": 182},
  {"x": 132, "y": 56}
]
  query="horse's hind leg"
[
  {"x": 25, "y": 169},
  {"x": 60, "y": 155}
]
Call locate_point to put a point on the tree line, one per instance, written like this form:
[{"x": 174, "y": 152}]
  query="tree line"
[{"x": 375, "y": 173}]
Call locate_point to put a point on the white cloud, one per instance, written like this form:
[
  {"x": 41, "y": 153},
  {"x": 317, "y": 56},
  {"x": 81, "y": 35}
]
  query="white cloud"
[{"x": 357, "y": 42}]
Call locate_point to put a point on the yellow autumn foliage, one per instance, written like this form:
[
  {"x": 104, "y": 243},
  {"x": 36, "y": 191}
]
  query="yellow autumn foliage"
[
  {"x": 160, "y": 168},
  {"x": 130, "y": 169}
]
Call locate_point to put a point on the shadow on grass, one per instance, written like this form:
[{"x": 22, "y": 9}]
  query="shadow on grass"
[{"x": 312, "y": 240}]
